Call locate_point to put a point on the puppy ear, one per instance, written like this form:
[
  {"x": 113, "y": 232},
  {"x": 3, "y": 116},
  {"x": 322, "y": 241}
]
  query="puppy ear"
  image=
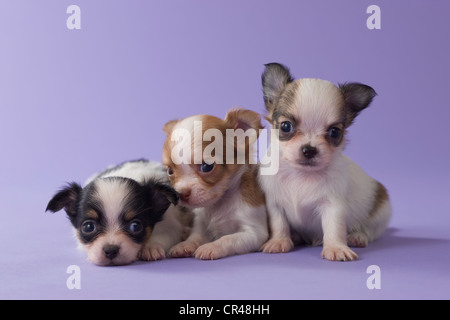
[
  {"x": 67, "y": 199},
  {"x": 168, "y": 127},
  {"x": 357, "y": 97},
  {"x": 275, "y": 77},
  {"x": 161, "y": 196},
  {"x": 243, "y": 119}
]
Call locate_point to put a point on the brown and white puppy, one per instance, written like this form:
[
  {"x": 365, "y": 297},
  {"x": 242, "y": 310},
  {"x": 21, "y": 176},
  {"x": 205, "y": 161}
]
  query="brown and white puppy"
[
  {"x": 117, "y": 215},
  {"x": 318, "y": 193},
  {"x": 216, "y": 178}
]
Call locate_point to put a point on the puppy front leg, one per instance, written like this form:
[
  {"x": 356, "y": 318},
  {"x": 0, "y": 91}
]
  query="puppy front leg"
[
  {"x": 196, "y": 239},
  {"x": 280, "y": 234},
  {"x": 165, "y": 235},
  {"x": 245, "y": 241},
  {"x": 335, "y": 234}
]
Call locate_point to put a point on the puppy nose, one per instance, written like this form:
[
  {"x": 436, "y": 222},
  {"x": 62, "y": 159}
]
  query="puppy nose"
[
  {"x": 309, "y": 151},
  {"x": 111, "y": 251},
  {"x": 185, "y": 195}
]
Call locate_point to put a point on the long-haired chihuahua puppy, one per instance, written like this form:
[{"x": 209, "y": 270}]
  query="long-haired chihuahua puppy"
[
  {"x": 319, "y": 196},
  {"x": 116, "y": 216},
  {"x": 218, "y": 181}
]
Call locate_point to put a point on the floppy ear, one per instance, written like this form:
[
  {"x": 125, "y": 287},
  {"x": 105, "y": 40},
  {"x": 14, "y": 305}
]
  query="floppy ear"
[
  {"x": 275, "y": 77},
  {"x": 357, "y": 97},
  {"x": 243, "y": 119},
  {"x": 161, "y": 196},
  {"x": 168, "y": 127},
  {"x": 67, "y": 199}
]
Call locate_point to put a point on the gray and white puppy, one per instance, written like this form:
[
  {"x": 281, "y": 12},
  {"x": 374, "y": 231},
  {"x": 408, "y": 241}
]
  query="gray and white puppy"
[{"x": 319, "y": 194}]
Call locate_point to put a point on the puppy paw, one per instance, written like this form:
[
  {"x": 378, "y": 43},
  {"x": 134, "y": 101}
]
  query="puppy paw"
[
  {"x": 357, "y": 239},
  {"x": 152, "y": 252},
  {"x": 183, "y": 249},
  {"x": 210, "y": 251},
  {"x": 280, "y": 245},
  {"x": 338, "y": 253}
]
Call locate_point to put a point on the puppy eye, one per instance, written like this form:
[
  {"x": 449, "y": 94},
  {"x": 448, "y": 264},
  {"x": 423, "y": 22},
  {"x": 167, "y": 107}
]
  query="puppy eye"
[
  {"x": 286, "y": 127},
  {"x": 205, "y": 168},
  {"x": 88, "y": 227},
  {"x": 334, "y": 133},
  {"x": 169, "y": 171},
  {"x": 135, "y": 226}
]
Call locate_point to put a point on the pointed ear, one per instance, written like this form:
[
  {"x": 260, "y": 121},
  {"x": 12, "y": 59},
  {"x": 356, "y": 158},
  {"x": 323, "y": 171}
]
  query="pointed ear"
[
  {"x": 357, "y": 97},
  {"x": 275, "y": 77},
  {"x": 67, "y": 199},
  {"x": 243, "y": 119},
  {"x": 161, "y": 196},
  {"x": 168, "y": 127}
]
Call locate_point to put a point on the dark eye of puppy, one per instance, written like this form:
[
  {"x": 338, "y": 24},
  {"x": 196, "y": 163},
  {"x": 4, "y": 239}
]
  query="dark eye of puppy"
[
  {"x": 334, "y": 135},
  {"x": 286, "y": 127},
  {"x": 205, "y": 168},
  {"x": 135, "y": 227},
  {"x": 88, "y": 227},
  {"x": 287, "y": 130},
  {"x": 89, "y": 230},
  {"x": 169, "y": 171}
]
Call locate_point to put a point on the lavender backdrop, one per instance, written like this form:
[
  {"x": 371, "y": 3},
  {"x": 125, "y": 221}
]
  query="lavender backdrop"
[{"x": 75, "y": 101}]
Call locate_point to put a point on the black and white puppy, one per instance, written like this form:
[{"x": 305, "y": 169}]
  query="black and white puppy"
[
  {"x": 115, "y": 215},
  {"x": 318, "y": 193}
]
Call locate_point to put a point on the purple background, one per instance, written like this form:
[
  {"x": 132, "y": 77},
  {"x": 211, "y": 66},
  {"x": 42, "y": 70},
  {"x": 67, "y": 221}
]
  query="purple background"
[{"x": 73, "y": 102}]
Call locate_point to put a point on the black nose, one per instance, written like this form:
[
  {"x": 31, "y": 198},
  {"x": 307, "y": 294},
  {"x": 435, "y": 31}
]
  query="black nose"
[
  {"x": 309, "y": 152},
  {"x": 111, "y": 251}
]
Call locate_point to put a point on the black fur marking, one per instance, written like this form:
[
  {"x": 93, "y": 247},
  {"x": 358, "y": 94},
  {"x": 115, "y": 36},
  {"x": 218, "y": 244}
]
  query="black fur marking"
[
  {"x": 357, "y": 97},
  {"x": 148, "y": 202},
  {"x": 274, "y": 78},
  {"x": 67, "y": 198},
  {"x": 119, "y": 166}
]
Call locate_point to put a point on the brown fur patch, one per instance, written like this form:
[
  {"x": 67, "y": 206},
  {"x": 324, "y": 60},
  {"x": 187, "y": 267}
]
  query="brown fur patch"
[
  {"x": 250, "y": 188},
  {"x": 381, "y": 196},
  {"x": 243, "y": 119},
  {"x": 148, "y": 234},
  {"x": 168, "y": 127},
  {"x": 235, "y": 119},
  {"x": 129, "y": 215},
  {"x": 286, "y": 102},
  {"x": 211, "y": 122},
  {"x": 92, "y": 214}
]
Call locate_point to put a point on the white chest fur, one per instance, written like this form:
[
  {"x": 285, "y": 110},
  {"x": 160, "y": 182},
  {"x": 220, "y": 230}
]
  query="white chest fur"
[
  {"x": 231, "y": 215},
  {"x": 299, "y": 196}
]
